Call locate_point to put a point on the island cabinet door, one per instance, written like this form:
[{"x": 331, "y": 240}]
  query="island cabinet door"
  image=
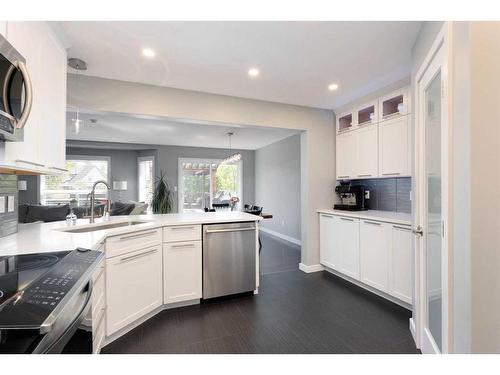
[
  {"x": 182, "y": 271},
  {"x": 133, "y": 286},
  {"x": 347, "y": 232},
  {"x": 373, "y": 251}
]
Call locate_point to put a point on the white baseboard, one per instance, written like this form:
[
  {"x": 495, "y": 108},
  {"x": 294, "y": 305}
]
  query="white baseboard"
[
  {"x": 282, "y": 236},
  {"x": 312, "y": 268}
]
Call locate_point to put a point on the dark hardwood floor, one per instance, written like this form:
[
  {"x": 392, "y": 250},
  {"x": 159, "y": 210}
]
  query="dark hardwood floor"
[{"x": 294, "y": 312}]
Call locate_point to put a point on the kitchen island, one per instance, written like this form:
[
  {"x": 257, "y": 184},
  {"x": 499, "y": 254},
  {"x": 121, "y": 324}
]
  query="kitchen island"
[{"x": 152, "y": 262}]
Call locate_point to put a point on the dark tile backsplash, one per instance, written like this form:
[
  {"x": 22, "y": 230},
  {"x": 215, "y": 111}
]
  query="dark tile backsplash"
[
  {"x": 388, "y": 194},
  {"x": 8, "y": 220}
]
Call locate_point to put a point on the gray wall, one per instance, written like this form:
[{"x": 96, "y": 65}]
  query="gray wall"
[
  {"x": 277, "y": 185},
  {"x": 124, "y": 163},
  {"x": 123, "y": 167}
]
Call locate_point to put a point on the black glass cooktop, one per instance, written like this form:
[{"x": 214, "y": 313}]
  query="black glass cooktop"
[
  {"x": 34, "y": 285},
  {"x": 18, "y": 271}
]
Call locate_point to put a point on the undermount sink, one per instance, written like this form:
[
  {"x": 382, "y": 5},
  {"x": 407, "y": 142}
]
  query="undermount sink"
[{"x": 102, "y": 226}]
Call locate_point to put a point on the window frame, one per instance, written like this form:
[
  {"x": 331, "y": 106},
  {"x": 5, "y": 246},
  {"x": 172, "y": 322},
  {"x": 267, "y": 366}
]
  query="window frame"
[
  {"x": 145, "y": 158},
  {"x": 84, "y": 157}
]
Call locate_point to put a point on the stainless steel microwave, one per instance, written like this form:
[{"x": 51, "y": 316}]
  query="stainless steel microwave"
[{"x": 16, "y": 93}]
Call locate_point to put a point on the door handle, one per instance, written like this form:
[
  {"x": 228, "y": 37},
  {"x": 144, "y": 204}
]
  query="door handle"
[
  {"x": 28, "y": 95},
  {"x": 418, "y": 231}
]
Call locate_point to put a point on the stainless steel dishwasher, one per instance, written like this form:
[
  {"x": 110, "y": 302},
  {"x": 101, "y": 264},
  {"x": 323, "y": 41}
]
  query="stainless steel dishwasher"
[{"x": 229, "y": 256}]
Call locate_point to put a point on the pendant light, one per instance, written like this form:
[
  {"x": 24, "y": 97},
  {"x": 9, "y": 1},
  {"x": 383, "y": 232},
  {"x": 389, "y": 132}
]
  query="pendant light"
[
  {"x": 79, "y": 65},
  {"x": 232, "y": 158}
]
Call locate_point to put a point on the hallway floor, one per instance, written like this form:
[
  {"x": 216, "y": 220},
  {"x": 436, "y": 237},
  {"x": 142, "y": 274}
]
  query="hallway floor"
[{"x": 294, "y": 312}]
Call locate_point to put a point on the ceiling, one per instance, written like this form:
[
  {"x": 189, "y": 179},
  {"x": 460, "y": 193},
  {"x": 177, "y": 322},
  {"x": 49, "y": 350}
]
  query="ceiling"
[
  {"x": 297, "y": 60},
  {"x": 120, "y": 128}
]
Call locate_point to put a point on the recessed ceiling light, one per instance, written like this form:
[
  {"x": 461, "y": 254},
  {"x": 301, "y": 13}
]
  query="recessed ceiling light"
[
  {"x": 148, "y": 52},
  {"x": 333, "y": 87},
  {"x": 253, "y": 72}
]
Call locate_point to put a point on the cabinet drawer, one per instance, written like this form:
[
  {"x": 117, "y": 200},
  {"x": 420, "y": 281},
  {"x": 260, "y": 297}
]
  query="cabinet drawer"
[
  {"x": 182, "y": 233},
  {"x": 124, "y": 243}
]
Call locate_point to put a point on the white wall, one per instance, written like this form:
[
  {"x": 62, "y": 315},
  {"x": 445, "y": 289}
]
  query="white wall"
[
  {"x": 277, "y": 185},
  {"x": 485, "y": 185},
  {"x": 317, "y": 142}
]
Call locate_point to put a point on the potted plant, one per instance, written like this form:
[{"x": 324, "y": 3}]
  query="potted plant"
[{"x": 162, "y": 202}]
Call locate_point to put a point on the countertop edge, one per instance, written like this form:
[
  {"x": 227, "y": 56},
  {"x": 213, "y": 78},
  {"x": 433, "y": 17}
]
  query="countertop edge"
[{"x": 370, "y": 215}]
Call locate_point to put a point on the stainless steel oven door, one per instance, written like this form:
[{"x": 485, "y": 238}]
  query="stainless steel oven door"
[{"x": 16, "y": 92}]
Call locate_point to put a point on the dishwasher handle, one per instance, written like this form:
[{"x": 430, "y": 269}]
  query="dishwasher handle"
[{"x": 228, "y": 230}]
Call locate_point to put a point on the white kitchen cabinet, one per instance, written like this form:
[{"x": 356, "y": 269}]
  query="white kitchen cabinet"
[
  {"x": 43, "y": 148},
  {"x": 133, "y": 286},
  {"x": 400, "y": 256},
  {"x": 329, "y": 247},
  {"x": 367, "y": 113},
  {"x": 394, "y": 104},
  {"x": 394, "y": 147},
  {"x": 346, "y": 155},
  {"x": 367, "y": 152},
  {"x": 373, "y": 252},
  {"x": 347, "y": 232},
  {"x": 182, "y": 271},
  {"x": 347, "y": 121}
]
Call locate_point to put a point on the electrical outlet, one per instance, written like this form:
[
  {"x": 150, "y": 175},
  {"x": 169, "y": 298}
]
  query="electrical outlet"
[
  {"x": 282, "y": 223},
  {"x": 2, "y": 205},
  {"x": 367, "y": 194}
]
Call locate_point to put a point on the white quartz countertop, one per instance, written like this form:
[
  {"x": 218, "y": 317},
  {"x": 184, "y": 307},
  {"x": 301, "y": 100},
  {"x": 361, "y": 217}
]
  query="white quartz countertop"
[
  {"x": 384, "y": 216},
  {"x": 46, "y": 237}
]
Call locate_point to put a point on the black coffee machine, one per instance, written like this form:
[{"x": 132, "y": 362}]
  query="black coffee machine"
[{"x": 352, "y": 197}]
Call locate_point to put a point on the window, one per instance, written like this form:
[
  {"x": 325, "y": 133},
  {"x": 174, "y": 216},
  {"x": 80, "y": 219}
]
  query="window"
[
  {"x": 145, "y": 167},
  {"x": 73, "y": 186},
  {"x": 203, "y": 182}
]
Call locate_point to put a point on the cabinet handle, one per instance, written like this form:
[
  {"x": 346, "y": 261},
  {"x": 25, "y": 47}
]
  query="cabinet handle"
[
  {"x": 137, "y": 235},
  {"x": 343, "y": 177},
  {"x": 228, "y": 230},
  {"x": 372, "y": 222},
  {"x": 132, "y": 257},
  {"x": 325, "y": 215},
  {"x": 391, "y": 174},
  {"x": 29, "y": 162},
  {"x": 403, "y": 228},
  {"x": 182, "y": 245},
  {"x": 364, "y": 175},
  {"x": 59, "y": 169},
  {"x": 346, "y": 219},
  {"x": 181, "y": 228}
]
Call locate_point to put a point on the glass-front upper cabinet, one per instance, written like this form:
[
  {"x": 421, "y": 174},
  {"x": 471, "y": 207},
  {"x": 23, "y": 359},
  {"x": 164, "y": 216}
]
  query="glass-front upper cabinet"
[
  {"x": 394, "y": 104},
  {"x": 367, "y": 113},
  {"x": 346, "y": 121}
]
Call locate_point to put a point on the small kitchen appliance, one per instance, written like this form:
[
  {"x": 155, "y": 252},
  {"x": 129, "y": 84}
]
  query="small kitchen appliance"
[{"x": 352, "y": 197}]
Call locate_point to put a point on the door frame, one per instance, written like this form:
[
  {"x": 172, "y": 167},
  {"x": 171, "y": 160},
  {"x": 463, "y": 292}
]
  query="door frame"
[
  {"x": 423, "y": 338},
  {"x": 180, "y": 195}
]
